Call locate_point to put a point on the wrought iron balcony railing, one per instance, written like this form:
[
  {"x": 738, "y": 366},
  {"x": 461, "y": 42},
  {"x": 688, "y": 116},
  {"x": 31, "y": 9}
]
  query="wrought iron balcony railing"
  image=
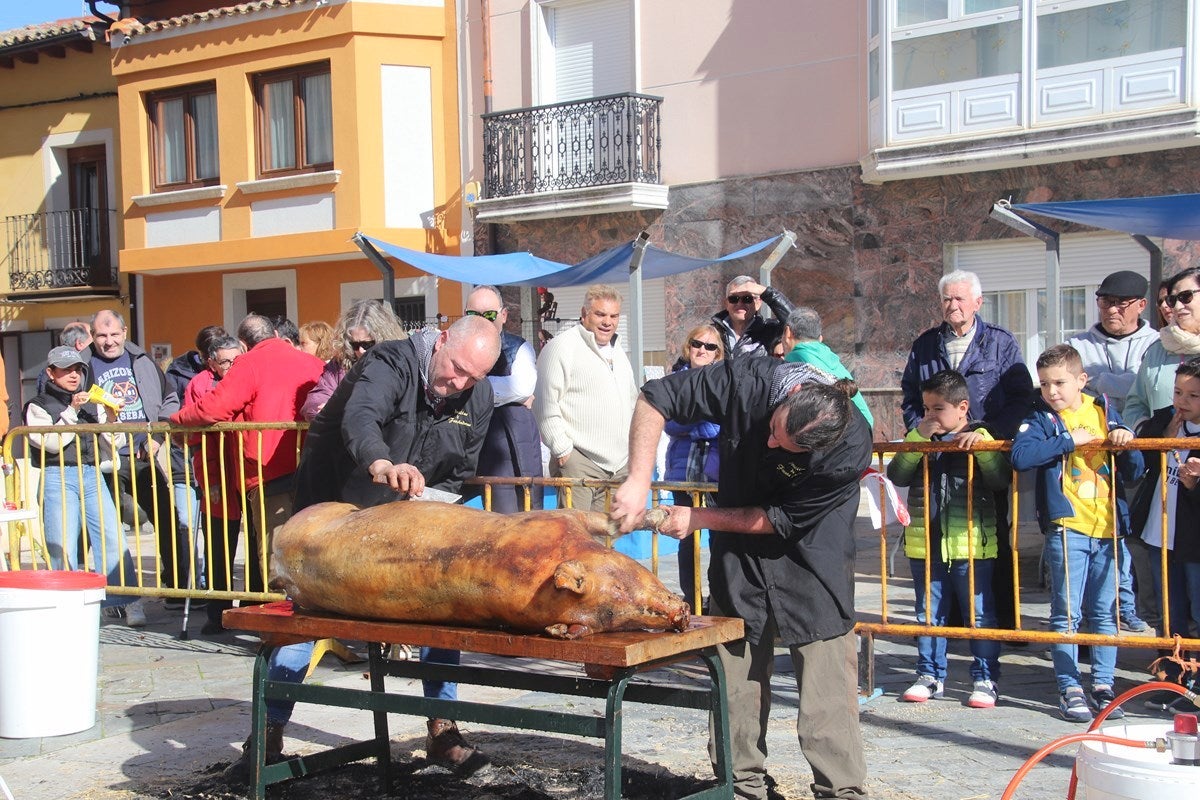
[
  {"x": 596, "y": 142},
  {"x": 60, "y": 250}
]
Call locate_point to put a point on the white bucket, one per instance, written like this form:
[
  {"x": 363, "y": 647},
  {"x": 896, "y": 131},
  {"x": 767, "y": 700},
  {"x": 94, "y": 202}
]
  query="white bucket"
[
  {"x": 49, "y": 652},
  {"x": 1116, "y": 772}
]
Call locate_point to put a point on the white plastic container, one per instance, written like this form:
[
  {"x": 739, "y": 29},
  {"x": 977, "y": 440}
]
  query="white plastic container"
[
  {"x": 49, "y": 652},
  {"x": 1116, "y": 772}
]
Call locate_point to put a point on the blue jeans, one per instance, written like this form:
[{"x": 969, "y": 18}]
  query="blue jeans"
[
  {"x": 289, "y": 664},
  {"x": 63, "y": 519},
  {"x": 1083, "y": 597},
  {"x": 1128, "y": 604},
  {"x": 949, "y": 585},
  {"x": 1183, "y": 584}
]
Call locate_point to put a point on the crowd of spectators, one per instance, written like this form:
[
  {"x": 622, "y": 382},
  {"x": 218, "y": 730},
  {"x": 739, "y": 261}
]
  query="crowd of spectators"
[{"x": 760, "y": 407}]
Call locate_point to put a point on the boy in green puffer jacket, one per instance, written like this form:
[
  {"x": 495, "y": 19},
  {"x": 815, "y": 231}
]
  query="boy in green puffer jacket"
[{"x": 954, "y": 542}]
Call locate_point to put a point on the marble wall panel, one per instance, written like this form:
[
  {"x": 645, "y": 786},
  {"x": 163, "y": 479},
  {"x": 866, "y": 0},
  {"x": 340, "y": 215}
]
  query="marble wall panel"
[{"x": 867, "y": 257}]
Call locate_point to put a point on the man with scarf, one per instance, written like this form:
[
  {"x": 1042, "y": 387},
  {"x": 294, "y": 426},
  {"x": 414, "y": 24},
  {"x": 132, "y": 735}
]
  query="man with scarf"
[{"x": 410, "y": 415}]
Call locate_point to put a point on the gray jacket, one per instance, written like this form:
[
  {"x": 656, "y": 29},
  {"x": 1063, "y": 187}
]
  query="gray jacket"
[{"x": 1112, "y": 363}]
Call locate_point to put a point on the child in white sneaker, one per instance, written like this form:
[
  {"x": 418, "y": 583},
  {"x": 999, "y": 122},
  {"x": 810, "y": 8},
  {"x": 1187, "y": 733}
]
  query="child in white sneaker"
[
  {"x": 1078, "y": 518},
  {"x": 956, "y": 546}
]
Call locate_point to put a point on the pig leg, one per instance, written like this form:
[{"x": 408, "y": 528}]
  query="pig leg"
[{"x": 562, "y": 630}]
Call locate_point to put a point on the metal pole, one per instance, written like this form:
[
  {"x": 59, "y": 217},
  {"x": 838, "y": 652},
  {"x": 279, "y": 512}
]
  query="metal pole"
[
  {"x": 786, "y": 242},
  {"x": 381, "y": 264},
  {"x": 634, "y": 325},
  {"x": 1156, "y": 276},
  {"x": 1002, "y": 213}
]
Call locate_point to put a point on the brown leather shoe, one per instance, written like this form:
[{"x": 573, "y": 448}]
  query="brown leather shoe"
[
  {"x": 239, "y": 770},
  {"x": 446, "y": 747}
]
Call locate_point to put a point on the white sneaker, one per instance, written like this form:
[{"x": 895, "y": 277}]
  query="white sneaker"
[
  {"x": 925, "y": 688},
  {"x": 135, "y": 614},
  {"x": 984, "y": 695}
]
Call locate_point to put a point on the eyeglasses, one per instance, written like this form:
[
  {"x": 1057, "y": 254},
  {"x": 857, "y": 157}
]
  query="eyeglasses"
[
  {"x": 225, "y": 362},
  {"x": 744, "y": 299},
  {"x": 1108, "y": 301},
  {"x": 364, "y": 345},
  {"x": 1184, "y": 297},
  {"x": 490, "y": 316},
  {"x": 709, "y": 346}
]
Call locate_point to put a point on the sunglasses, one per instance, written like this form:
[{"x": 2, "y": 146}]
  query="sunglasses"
[
  {"x": 709, "y": 346},
  {"x": 490, "y": 316},
  {"x": 1184, "y": 297},
  {"x": 364, "y": 345},
  {"x": 744, "y": 299}
]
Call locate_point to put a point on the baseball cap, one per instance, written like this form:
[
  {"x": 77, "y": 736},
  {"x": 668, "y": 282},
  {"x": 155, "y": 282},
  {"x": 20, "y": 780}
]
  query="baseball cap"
[
  {"x": 1124, "y": 283},
  {"x": 63, "y": 356}
]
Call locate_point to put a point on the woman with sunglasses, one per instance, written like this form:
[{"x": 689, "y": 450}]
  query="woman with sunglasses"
[
  {"x": 361, "y": 326},
  {"x": 1154, "y": 387},
  {"x": 692, "y": 452},
  {"x": 1164, "y": 311}
]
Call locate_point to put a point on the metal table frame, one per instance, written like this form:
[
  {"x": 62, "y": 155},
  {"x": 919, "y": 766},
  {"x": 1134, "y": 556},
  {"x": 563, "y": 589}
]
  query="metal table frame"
[{"x": 603, "y": 680}]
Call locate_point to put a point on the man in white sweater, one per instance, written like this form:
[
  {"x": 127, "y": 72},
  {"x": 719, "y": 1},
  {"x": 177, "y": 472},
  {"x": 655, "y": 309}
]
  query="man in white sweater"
[{"x": 584, "y": 399}]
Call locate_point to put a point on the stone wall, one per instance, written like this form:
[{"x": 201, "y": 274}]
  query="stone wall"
[{"x": 868, "y": 258}]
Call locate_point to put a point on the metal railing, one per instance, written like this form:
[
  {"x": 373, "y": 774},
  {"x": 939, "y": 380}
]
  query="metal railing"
[
  {"x": 597, "y": 142},
  {"x": 223, "y": 469},
  {"x": 60, "y": 250}
]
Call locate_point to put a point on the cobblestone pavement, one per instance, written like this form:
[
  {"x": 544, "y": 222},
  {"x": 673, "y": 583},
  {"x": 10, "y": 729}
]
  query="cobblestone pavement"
[{"x": 169, "y": 710}]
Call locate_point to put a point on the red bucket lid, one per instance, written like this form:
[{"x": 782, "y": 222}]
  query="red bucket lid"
[{"x": 51, "y": 580}]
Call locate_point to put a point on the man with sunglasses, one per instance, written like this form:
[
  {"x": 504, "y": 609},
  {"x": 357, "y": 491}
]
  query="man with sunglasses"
[
  {"x": 1112, "y": 351},
  {"x": 742, "y": 327},
  {"x": 512, "y": 447}
]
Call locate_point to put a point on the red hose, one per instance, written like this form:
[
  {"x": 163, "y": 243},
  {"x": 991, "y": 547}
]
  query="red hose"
[{"x": 1091, "y": 736}]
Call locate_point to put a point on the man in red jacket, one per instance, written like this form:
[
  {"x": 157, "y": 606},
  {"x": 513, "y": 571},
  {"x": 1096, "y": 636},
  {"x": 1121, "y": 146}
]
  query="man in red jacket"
[{"x": 266, "y": 384}]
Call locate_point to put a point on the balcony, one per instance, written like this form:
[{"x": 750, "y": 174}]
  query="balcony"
[
  {"x": 601, "y": 155},
  {"x": 59, "y": 255}
]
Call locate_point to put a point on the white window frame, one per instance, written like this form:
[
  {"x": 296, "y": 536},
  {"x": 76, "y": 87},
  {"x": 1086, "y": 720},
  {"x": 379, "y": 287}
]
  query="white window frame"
[
  {"x": 988, "y": 106},
  {"x": 542, "y": 74},
  {"x": 234, "y": 287}
]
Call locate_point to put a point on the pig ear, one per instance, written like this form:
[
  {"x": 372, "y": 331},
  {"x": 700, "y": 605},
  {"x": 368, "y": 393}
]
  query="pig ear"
[{"x": 570, "y": 575}]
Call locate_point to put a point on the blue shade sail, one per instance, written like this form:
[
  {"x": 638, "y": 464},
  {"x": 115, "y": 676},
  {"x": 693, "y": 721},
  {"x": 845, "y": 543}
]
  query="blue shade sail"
[
  {"x": 526, "y": 269},
  {"x": 1172, "y": 216}
]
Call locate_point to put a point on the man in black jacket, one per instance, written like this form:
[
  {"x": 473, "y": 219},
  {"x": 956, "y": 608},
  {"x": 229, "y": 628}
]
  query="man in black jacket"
[
  {"x": 792, "y": 451},
  {"x": 743, "y": 329},
  {"x": 411, "y": 414}
]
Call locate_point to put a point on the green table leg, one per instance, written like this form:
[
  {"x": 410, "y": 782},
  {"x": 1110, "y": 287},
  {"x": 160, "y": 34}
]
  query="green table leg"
[
  {"x": 720, "y": 722},
  {"x": 612, "y": 734},
  {"x": 258, "y": 724},
  {"x": 378, "y": 669}
]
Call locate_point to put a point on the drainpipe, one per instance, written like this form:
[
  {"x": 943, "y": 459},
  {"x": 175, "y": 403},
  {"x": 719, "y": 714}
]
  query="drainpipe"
[{"x": 91, "y": 4}]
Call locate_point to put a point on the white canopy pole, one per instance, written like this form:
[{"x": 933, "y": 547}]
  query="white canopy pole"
[
  {"x": 634, "y": 325},
  {"x": 786, "y": 242},
  {"x": 1002, "y": 213}
]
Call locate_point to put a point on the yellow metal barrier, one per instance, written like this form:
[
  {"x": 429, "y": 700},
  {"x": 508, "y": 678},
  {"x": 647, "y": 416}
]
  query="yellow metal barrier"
[
  {"x": 223, "y": 473},
  {"x": 886, "y": 627}
]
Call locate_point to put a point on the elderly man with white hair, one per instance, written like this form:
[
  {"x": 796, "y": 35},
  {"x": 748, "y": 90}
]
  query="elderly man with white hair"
[
  {"x": 987, "y": 355},
  {"x": 998, "y": 383}
]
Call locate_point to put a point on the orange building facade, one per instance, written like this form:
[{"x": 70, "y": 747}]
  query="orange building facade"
[{"x": 257, "y": 140}]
